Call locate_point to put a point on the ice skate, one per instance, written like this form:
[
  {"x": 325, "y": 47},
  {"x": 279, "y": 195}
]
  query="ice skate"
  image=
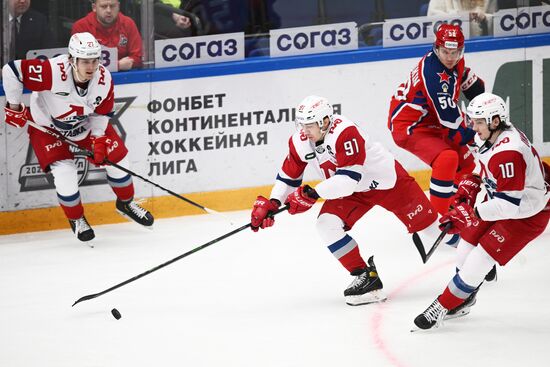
[
  {"x": 82, "y": 229},
  {"x": 366, "y": 287},
  {"x": 464, "y": 308},
  {"x": 132, "y": 210},
  {"x": 432, "y": 317}
]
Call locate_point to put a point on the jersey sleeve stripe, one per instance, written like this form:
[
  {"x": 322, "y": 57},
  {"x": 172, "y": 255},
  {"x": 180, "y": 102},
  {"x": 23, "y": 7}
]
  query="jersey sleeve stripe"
[
  {"x": 351, "y": 174},
  {"x": 508, "y": 198},
  {"x": 289, "y": 181}
]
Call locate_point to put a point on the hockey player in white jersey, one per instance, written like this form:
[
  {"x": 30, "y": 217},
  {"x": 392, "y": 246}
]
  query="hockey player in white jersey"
[
  {"x": 359, "y": 174},
  {"x": 514, "y": 213},
  {"x": 73, "y": 95}
]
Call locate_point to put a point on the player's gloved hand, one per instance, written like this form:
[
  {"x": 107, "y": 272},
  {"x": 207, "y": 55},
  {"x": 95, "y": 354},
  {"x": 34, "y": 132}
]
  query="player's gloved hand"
[
  {"x": 99, "y": 148},
  {"x": 301, "y": 200},
  {"x": 262, "y": 213},
  {"x": 461, "y": 217},
  {"x": 468, "y": 188},
  {"x": 16, "y": 118},
  {"x": 462, "y": 135}
]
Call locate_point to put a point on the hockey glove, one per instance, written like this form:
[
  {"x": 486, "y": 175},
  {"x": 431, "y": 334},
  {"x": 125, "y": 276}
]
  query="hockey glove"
[
  {"x": 462, "y": 135},
  {"x": 16, "y": 118},
  {"x": 99, "y": 148},
  {"x": 468, "y": 188},
  {"x": 461, "y": 217},
  {"x": 262, "y": 211},
  {"x": 301, "y": 200}
]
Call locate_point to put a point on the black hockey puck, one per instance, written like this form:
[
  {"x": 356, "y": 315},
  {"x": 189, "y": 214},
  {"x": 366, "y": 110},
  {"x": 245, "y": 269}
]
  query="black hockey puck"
[{"x": 116, "y": 314}]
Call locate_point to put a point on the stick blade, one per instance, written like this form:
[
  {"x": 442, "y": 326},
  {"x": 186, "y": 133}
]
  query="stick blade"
[{"x": 85, "y": 298}]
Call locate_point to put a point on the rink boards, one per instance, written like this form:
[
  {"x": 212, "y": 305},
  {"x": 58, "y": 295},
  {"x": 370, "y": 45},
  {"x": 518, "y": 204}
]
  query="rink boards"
[{"x": 217, "y": 134}]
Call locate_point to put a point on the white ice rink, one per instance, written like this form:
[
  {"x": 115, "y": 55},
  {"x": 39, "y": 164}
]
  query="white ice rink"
[{"x": 272, "y": 298}]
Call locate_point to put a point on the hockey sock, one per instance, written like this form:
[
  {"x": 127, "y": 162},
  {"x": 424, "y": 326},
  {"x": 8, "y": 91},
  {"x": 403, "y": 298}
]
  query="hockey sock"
[
  {"x": 66, "y": 185},
  {"x": 441, "y": 183},
  {"x": 347, "y": 252},
  {"x": 71, "y": 205},
  {"x": 122, "y": 187},
  {"x": 455, "y": 293},
  {"x": 120, "y": 181}
]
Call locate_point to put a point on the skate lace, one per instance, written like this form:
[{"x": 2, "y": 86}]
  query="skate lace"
[
  {"x": 136, "y": 209},
  {"x": 81, "y": 225},
  {"x": 434, "y": 312},
  {"x": 359, "y": 280}
]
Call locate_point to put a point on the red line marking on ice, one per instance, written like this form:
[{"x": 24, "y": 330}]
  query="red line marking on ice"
[{"x": 377, "y": 319}]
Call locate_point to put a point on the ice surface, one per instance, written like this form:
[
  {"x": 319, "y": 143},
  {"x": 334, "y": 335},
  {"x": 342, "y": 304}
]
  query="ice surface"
[{"x": 273, "y": 298}]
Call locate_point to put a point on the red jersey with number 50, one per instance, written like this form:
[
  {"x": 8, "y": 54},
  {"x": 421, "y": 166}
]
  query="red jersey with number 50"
[
  {"x": 56, "y": 101},
  {"x": 513, "y": 176},
  {"x": 345, "y": 158}
]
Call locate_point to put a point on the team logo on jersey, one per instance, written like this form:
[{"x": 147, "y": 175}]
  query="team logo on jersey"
[
  {"x": 32, "y": 178},
  {"x": 499, "y": 237},
  {"x": 444, "y": 77},
  {"x": 122, "y": 41}
]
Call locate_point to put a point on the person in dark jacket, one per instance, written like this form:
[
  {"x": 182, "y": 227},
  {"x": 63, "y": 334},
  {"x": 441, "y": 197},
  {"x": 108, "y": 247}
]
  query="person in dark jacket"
[{"x": 29, "y": 29}]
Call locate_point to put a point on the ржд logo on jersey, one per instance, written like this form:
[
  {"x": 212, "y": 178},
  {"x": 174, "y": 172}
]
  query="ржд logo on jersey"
[
  {"x": 32, "y": 178},
  {"x": 415, "y": 212}
]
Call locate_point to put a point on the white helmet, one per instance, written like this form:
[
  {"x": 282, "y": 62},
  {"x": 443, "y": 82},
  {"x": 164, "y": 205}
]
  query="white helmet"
[
  {"x": 486, "y": 106},
  {"x": 84, "y": 46},
  {"x": 313, "y": 109}
]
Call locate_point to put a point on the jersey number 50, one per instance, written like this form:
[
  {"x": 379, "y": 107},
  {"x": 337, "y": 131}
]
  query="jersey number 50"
[{"x": 446, "y": 101}]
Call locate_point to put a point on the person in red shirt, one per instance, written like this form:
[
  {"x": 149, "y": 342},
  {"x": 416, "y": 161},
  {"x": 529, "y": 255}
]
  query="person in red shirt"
[{"x": 113, "y": 29}]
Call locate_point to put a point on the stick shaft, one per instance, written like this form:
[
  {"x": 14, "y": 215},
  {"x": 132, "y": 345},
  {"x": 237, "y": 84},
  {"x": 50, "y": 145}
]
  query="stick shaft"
[
  {"x": 164, "y": 264},
  {"x": 90, "y": 154}
]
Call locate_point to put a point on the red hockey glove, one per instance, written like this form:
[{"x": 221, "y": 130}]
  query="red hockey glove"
[
  {"x": 16, "y": 118},
  {"x": 99, "y": 148},
  {"x": 461, "y": 217},
  {"x": 468, "y": 188},
  {"x": 301, "y": 200},
  {"x": 262, "y": 211}
]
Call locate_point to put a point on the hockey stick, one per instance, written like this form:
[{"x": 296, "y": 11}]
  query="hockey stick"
[
  {"x": 420, "y": 246},
  {"x": 87, "y": 153},
  {"x": 196, "y": 249}
]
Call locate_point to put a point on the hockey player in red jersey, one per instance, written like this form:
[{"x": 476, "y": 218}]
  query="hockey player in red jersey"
[
  {"x": 425, "y": 118},
  {"x": 514, "y": 212},
  {"x": 73, "y": 95},
  {"x": 359, "y": 174}
]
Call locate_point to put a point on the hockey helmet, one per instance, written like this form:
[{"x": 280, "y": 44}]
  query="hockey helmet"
[
  {"x": 313, "y": 109},
  {"x": 449, "y": 36},
  {"x": 486, "y": 106},
  {"x": 84, "y": 46}
]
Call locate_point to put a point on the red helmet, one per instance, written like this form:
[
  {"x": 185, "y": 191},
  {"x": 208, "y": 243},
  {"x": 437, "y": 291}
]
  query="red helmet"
[{"x": 449, "y": 36}]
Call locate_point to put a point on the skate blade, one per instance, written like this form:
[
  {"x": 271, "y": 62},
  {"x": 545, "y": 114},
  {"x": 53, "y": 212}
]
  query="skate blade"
[
  {"x": 460, "y": 313},
  {"x": 416, "y": 329},
  {"x": 89, "y": 243},
  {"x": 367, "y": 298},
  {"x": 133, "y": 221}
]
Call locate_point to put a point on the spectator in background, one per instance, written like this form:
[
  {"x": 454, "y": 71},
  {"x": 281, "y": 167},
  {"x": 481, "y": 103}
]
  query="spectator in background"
[
  {"x": 29, "y": 29},
  {"x": 173, "y": 22},
  {"x": 481, "y": 11},
  {"x": 113, "y": 29}
]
